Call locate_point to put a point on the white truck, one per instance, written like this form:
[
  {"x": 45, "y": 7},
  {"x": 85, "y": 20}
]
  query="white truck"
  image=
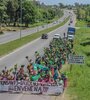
[{"x": 71, "y": 33}]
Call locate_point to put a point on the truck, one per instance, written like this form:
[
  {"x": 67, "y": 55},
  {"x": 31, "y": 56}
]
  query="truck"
[{"x": 71, "y": 33}]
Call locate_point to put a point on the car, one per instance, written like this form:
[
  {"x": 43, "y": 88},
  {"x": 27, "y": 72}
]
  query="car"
[
  {"x": 44, "y": 36},
  {"x": 56, "y": 36}
]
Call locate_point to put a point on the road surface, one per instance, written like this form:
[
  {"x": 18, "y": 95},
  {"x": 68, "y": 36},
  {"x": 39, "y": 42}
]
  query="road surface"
[
  {"x": 18, "y": 56},
  {"x": 10, "y": 36}
]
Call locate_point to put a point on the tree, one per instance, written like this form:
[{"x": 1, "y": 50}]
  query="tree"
[
  {"x": 76, "y": 4},
  {"x": 2, "y": 12},
  {"x": 12, "y": 11},
  {"x": 29, "y": 13},
  {"x": 51, "y": 13},
  {"x": 32, "y": 11},
  {"x": 61, "y": 5}
]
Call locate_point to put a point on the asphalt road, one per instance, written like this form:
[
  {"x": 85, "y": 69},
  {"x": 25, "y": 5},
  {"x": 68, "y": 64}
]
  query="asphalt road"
[
  {"x": 10, "y": 36},
  {"x": 18, "y": 57}
]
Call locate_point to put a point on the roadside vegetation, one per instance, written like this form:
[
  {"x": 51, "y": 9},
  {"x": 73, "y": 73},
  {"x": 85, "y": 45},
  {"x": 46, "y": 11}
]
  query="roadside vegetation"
[
  {"x": 83, "y": 13},
  {"x": 12, "y": 28},
  {"x": 33, "y": 13},
  {"x": 81, "y": 23},
  {"x": 79, "y": 77},
  {"x": 10, "y": 46}
]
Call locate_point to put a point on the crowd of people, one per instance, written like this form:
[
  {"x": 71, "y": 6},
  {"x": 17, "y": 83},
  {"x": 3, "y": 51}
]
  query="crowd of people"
[{"x": 46, "y": 68}]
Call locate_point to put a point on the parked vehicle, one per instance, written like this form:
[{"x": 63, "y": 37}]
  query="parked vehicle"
[{"x": 71, "y": 33}]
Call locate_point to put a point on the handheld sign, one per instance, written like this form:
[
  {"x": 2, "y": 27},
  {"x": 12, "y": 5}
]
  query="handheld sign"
[{"x": 73, "y": 59}]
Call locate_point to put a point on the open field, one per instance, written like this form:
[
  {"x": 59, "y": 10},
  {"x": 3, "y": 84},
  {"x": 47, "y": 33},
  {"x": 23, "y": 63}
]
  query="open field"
[{"x": 79, "y": 78}]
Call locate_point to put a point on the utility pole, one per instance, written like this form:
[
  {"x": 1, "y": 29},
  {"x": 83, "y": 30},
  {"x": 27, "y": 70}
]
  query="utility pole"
[{"x": 20, "y": 19}]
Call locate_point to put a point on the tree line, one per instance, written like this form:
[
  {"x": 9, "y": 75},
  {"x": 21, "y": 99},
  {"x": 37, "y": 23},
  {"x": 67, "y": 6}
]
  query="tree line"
[
  {"x": 83, "y": 11},
  {"x": 32, "y": 12}
]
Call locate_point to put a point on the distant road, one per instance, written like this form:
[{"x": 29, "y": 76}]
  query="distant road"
[{"x": 10, "y": 36}]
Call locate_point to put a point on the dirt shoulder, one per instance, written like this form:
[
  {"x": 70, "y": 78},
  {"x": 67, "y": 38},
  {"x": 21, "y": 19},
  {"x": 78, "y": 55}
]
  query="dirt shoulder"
[{"x": 63, "y": 96}]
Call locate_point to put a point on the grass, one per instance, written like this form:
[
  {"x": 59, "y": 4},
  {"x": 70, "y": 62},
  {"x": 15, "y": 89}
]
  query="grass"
[
  {"x": 10, "y": 46},
  {"x": 81, "y": 23},
  {"x": 79, "y": 78}
]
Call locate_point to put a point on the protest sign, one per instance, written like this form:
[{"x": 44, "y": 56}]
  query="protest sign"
[{"x": 30, "y": 87}]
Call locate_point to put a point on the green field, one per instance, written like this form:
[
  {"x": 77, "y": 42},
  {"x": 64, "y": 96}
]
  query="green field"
[
  {"x": 79, "y": 78},
  {"x": 81, "y": 23},
  {"x": 9, "y": 47}
]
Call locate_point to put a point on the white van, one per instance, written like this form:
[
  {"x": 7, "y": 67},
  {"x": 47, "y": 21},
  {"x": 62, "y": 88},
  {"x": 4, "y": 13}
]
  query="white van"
[{"x": 56, "y": 36}]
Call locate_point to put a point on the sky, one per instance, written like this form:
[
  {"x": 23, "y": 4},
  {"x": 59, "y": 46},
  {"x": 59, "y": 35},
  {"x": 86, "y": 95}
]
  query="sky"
[{"x": 52, "y": 2}]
